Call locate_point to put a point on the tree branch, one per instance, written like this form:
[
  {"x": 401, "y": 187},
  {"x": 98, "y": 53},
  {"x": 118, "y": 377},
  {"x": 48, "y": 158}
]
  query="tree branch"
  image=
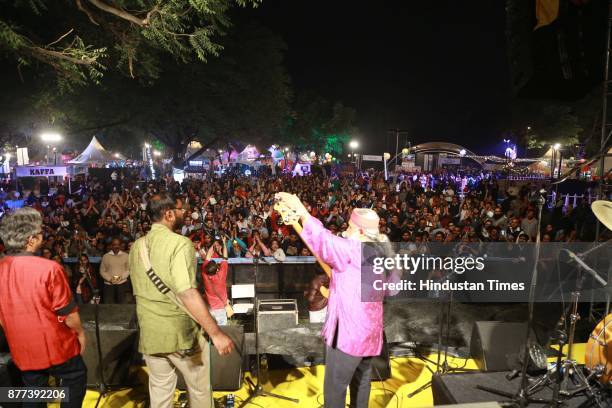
[
  {"x": 84, "y": 10},
  {"x": 38, "y": 52},
  {"x": 61, "y": 38},
  {"x": 104, "y": 125},
  {"x": 121, "y": 13},
  {"x": 131, "y": 64},
  {"x": 154, "y": 10}
]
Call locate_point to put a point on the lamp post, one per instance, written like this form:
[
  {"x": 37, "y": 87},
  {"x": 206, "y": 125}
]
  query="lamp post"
[
  {"x": 386, "y": 156},
  {"x": 553, "y": 160},
  {"x": 397, "y": 133},
  {"x": 353, "y": 144},
  {"x": 51, "y": 138}
]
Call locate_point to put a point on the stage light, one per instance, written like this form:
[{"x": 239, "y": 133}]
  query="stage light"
[
  {"x": 51, "y": 137},
  {"x": 462, "y": 152},
  {"x": 156, "y": 153},
  {"x": 557, "y": 146},
  {"x": 353, "y": 144}
]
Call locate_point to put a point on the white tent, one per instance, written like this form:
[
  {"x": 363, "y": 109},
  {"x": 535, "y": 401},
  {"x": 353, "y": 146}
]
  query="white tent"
[
  {"x": 94, "y": 153},
  {"x": 249, "y": 153}
]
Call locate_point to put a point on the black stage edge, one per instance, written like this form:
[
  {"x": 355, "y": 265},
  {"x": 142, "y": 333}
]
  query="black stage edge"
[{"x": 461, "y": 389}]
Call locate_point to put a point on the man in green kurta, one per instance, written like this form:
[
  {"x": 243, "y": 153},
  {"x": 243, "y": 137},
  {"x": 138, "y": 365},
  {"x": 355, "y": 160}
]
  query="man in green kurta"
[{"x": 168, "y": 336}]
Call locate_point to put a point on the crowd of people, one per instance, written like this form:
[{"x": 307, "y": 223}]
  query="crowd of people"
[
  {"x": 224, "y": 217},
  {"x": 102, "y": 218}
]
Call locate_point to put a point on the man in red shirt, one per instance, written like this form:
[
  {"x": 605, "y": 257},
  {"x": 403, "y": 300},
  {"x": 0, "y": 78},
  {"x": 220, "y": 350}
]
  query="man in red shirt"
[
  {"x": 37, "y": 312},
  {"x": 214, "y": 276}
]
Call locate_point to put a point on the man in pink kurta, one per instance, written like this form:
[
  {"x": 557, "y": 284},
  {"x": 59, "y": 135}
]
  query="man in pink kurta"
[
  {"x": 359, "y": 324},
  {"x": 353, "y": 330}
]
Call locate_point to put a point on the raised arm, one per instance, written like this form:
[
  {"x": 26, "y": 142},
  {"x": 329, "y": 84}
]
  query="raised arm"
[{"x": 326, "y": 247}]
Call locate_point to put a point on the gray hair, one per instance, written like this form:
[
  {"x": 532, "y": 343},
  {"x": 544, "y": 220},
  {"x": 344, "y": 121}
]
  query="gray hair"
[{"x": 18, "y": 226}]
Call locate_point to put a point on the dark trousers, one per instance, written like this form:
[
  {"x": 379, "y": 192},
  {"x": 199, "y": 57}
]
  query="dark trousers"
[
  {"x": 115, "y": 293},
  {"x": 342, "y": 370},
  {"x": 71, "y": 374}
]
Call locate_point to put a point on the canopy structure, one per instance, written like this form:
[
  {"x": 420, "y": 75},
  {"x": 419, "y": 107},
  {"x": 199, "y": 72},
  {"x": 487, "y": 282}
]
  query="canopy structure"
[
  {"x": 249, "y": 153},
  {"x": 448, "y": 148},
  {"x": 94, "y": 153}
]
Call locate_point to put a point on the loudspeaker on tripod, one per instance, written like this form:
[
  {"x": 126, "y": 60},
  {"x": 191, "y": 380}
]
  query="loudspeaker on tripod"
[
  {"x": 495, "y": 346},
  {"x": 225, "y": 371},
  {"x": 118, "y": 341}
]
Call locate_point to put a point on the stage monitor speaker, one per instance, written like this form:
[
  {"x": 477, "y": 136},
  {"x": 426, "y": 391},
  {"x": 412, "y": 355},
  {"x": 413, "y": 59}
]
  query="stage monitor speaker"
[
  {"x": 4, "y": 348},
  {"x": 276, "y": 314},
  {"x": 10, "y": 376},
  {"x": 118, "y": 339},
  {"x": 495, "y": 346},
  {"x": 225, "y": 371},
  {"x": 462, "y": 388},
  {"x": 381, "y": 365},
  {"x": 9, "y": 373},
  {"x": 491, "y": 404}
]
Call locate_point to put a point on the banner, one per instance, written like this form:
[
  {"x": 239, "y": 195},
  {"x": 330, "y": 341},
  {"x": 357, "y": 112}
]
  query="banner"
[
  {"x": 22, "y": 156},
  {"x": 449, "y": 160},
  {"x": 41, "y": 171},
  {"x": 409, "y": 166},
  {"x": 369, "y": 157}
]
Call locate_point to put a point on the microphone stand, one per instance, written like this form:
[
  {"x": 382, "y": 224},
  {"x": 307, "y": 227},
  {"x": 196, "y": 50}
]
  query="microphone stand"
[
  {"x": 522, "y": 396},
  {"x": 442, "y": 367},
  {"x": 102, "y": 388},
  {"x": 257, "y": 389}
]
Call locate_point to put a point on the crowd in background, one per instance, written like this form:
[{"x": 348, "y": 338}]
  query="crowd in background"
[{"x": 102, "y": 218}]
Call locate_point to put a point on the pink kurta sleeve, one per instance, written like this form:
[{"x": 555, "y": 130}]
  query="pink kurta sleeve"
[{"x": 333, "y": 250}]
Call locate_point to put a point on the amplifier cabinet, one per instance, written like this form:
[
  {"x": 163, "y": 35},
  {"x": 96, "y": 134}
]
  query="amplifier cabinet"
[{"x": 275, "y": 314}]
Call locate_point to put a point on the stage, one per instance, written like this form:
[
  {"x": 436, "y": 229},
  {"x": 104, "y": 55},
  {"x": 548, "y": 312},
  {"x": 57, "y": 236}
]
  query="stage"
[{"x": 306, "y": 384}]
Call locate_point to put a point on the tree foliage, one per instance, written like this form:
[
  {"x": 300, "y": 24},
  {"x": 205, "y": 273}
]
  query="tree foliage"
[
  {"x": 81, "y": 39},
  {"x": 564, "y": 122},
  {"x": 318, "y": 125},
  {"x": 242, "y": 96},
  {"x": 554, "y": 123}
]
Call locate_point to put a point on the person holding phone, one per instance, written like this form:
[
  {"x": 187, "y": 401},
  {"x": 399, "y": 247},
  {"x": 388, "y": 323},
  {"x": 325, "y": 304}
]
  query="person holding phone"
[
  {"x": 86, "y": 286},
  {"x": 214, "y": 277}
]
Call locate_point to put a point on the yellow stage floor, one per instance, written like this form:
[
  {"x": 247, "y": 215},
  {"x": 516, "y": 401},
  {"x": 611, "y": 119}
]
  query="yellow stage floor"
[{"x": 306, "y": 384}]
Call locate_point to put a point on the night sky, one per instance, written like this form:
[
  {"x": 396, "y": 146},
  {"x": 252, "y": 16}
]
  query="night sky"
[{"x": 436, "y": 69}]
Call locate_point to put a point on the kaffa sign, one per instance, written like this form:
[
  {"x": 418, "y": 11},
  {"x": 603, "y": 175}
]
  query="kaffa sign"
[{"x": 42, "y": 171}]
